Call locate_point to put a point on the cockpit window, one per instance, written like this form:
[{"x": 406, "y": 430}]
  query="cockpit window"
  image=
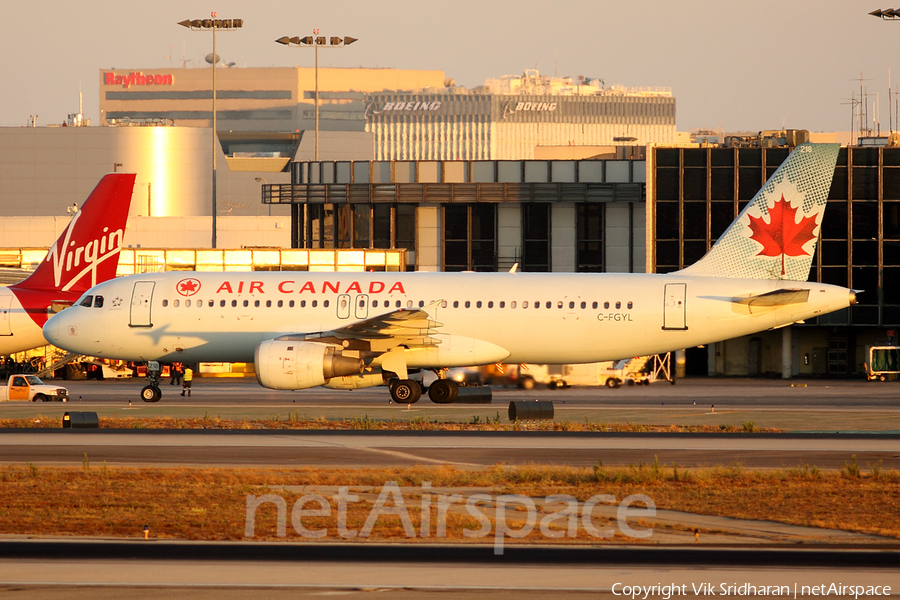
[
  {"x": 88, "y": 300},
  {"x": 98, "y": 302}
]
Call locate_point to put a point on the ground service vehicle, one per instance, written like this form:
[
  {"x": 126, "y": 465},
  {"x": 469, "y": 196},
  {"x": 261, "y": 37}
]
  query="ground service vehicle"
[{"x": 29, "y": 388}]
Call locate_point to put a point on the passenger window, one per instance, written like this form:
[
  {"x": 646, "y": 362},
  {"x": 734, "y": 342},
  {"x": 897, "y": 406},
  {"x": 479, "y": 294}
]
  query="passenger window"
[
  {"x": 256, "y": 303},
  {"x": 222, "y": 303},
  {"x": 246, "y": 303},
  {"x": 549, "y": 304},
  {"x": 409, "y": 304},
  {"x": 233, "y": 303},
  {"x": 594, "y": 305},
  {"x": 444, "y": 304},
  {"x": 606, "y": 305},
  {"x": 502, "y": 304},
  {"x": 524, "y": 304},
  {"x": 421, "y": 303},
  {"x": 537, "y": 304},
  {"x": 98, "y": 302},
  {"x": 630, "y": 305},
  {"x": 584, "y": 305},
  {"x": 468, "y": 304},
  {"x": 165, "y": 303},
  {"x": 280, "y": 303},
  {"x": 512, "y": 304},
  {"x": 478, "y": 304},
  {"x": 325, "y": 303},
  {"x": 200, "y": 303},
  {"x": 187, "y": 303},
  {"x": 456, "y": 304},
  {"x": 176, "y": 304},
  {"x": 268, "y": 304},
  {"x": 302, "y": 304},
  {"x": 315, "y": 303},
  {"x": 397, "y": 304},
  {"x": 374, "y": 304},
  {"x": 618, "y": 305},
  {"x": 88, "y": 300},
  {"x": 291, "y": 303}
]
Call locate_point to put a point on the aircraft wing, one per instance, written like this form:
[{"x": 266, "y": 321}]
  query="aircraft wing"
[{"x": 409, "y": 328}]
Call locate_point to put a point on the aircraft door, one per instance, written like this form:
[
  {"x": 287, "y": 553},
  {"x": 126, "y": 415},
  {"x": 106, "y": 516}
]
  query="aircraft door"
[
  {"x": 141, "y": 299},
  {"x": 362, "y": 306},
  {"x": 5, "y": 301},
  {"x": 674, "y": 310},
  {"x": 343, "y": 306},
  {"x": 18, "y": 389}
]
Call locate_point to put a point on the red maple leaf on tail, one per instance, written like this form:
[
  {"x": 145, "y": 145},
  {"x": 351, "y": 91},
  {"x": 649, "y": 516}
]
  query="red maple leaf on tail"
[{"x": 782, "y": 235}]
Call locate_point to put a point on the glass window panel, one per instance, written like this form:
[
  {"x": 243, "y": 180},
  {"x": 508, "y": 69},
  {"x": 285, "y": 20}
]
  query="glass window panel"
[
  {"x": 866, "y": 278},
  {"x": 693, "y": 251},
  {"x": 695, "y": 221},
  {"x": 667, "y": 184},
  {"x": 722, "y": 184},
  {"x": 344, "y": 219},
  {"x": 750, "y": 157},
  {"x": 722, "y": 215},
  {"x": 865, "y": 183},
  {"x": 834, "y": 223},
  {"x": 891, "y": 183},
  {"x": 361, "y": 172},
  {"x": 890, "y": 157},
  {"x": 721, "y": 157},
  {"x": 361, "y": 221},
  {"x": 776, "y": 156},
  {"x": 667, "y": 157},
  {"x": 865, "y": 253},
  {"x": 891, "y": 252},
  {"x": 865, "y": 220},
  {"x": 483, "y": 171},
  {"x": 749, "y": 182},
  {"x": 865, "y": 157},
  {"x": 835, "y": 276},
  {"x": 838, "y": 184},
  {"x": 483, "y": 221},
  {"x": 695, "y": 157},
  {"x": 667, "y": 220},
  {"x": 381, "y": 223},
  {"x": 891, "y": 290},
  {"x": 864, "y": 315},
  {"x": 695, "y": 184},
  {"x": 405, "y": 228},
  {"x": 834, "y": 253},
  {"x": 667, "y": 253},
  {"x": 890, "y": 220},
  {"x": 456, "y": 222}
]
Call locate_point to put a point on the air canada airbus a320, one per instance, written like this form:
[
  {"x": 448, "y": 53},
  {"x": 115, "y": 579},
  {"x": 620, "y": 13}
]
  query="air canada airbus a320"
[{"x": 355, "y": 330}]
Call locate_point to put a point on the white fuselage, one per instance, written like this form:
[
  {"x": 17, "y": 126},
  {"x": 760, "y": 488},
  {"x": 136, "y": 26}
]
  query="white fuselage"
[
  {"x": 19, "y": 331},
  {"x": 525, "y": 317}
]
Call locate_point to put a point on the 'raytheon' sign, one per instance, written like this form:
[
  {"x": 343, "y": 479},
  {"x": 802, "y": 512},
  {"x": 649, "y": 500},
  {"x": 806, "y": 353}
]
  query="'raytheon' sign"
[{"x": 137, "y": 78}]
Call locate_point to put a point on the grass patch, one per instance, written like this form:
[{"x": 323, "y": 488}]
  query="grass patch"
[{"x": 210, "y": 504}]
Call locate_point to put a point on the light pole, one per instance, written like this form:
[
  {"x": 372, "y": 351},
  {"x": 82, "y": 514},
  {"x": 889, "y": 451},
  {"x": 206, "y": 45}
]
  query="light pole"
[
  {"x": 213, "y": 25},
  {"x": 263, "y": 181},
  {"x": 315, "y": 42}
]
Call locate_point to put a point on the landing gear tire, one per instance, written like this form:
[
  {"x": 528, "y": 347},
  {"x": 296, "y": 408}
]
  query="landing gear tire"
[
  {"x": 443, "y": 391},
  {"x": 406, "y": 391},
  {"x": 527, "y": 383},
  {"x": 151, "y": 394},
  {"x": 612, "y": 383}
]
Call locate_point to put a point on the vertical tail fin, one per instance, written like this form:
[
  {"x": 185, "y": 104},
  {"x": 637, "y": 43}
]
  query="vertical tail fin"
[
  {"x": 87, "y": 251},
  {"x": 775, "y": 235}
]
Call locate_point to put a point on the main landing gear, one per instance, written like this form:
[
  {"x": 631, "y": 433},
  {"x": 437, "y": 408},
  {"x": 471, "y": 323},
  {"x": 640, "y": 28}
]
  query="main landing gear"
[
  {"x": 405, "y": 391},
  {"x": 151, "y": 392},
  {"x": 443, "y": 391}
]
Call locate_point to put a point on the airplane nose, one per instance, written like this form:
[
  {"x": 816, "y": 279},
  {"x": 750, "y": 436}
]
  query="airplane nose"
[{"x": 51, "y": 330}]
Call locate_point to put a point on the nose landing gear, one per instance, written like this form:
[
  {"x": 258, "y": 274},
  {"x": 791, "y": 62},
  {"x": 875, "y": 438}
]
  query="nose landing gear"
[{"x": 151, "y": 392}]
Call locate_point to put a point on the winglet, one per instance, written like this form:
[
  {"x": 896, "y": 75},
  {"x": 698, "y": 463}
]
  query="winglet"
[
  {"x": 775, "y": 235},
  {"x": 514, "y": 268}
]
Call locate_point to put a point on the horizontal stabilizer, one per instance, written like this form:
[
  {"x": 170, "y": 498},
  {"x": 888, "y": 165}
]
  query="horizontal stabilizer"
[{"x": 774, "y": 299}]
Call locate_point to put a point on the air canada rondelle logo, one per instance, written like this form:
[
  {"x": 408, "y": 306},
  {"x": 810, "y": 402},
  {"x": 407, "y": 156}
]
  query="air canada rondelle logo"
[{"x": 188, "y": 287}]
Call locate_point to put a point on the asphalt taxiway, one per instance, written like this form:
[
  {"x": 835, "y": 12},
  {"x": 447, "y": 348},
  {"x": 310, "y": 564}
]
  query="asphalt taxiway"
[{"x": 467, "y": 449}]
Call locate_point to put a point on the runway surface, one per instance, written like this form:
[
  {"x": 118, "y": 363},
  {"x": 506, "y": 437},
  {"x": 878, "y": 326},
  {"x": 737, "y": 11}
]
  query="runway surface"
[
  {"x": 154, "y": 569},
  {"x": 328, "y": 448}
]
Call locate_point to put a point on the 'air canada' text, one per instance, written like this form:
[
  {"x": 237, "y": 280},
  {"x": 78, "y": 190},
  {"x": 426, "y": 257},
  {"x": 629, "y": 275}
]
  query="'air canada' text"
[{"x": 325, "y": 287}]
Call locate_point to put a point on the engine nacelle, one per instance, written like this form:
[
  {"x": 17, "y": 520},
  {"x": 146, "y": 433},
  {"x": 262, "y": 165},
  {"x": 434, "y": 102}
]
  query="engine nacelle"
[{"x": 289, "y": 365}]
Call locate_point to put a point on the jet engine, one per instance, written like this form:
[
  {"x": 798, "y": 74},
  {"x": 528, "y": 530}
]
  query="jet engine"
[{"x": 292, "y": 365}]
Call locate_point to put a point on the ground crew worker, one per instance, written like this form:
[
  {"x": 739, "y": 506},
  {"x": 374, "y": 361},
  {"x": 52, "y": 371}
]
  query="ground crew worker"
[{"x": 188, "y": 377}]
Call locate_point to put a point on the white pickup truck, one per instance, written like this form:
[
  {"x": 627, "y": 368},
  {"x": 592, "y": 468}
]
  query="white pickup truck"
[{"x": 28, "y": 388}]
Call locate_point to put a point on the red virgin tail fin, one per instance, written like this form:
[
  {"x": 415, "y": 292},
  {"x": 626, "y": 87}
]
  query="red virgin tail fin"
[{"x": 87, "y": 251}]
